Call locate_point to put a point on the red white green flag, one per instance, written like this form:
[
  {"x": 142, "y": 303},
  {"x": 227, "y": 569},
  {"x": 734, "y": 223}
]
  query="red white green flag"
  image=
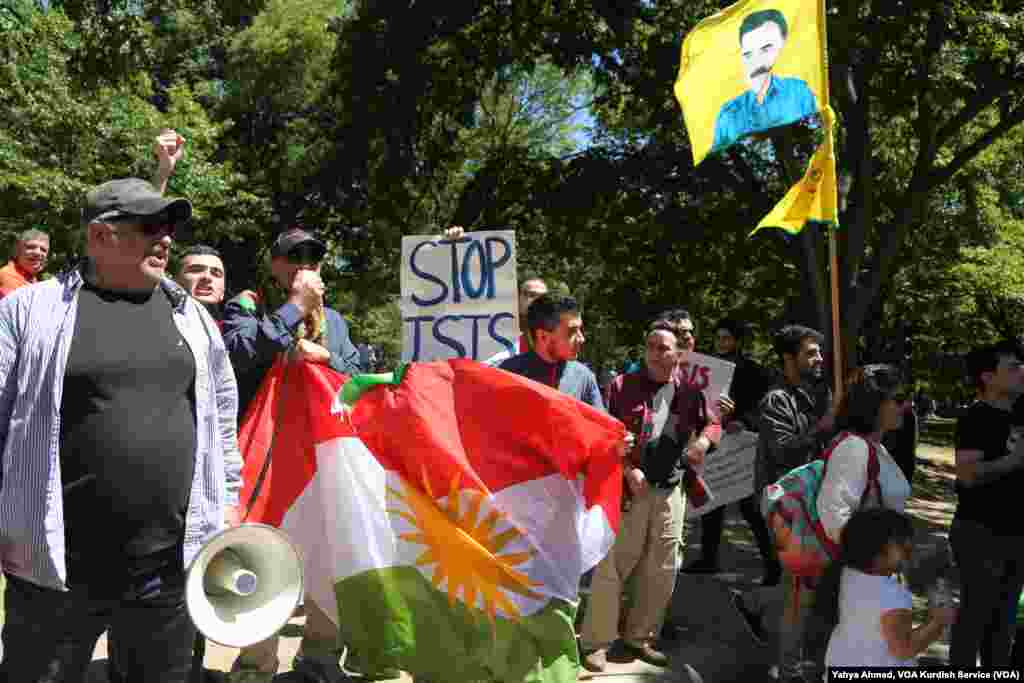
[{"x": 448, "y": 511}]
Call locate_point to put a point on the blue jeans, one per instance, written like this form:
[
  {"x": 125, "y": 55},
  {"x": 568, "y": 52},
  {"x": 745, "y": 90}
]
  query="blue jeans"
[{"x": 49, "y": 635}]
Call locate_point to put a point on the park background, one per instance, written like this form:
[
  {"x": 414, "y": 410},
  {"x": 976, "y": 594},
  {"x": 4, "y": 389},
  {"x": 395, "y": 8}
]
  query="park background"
[{"x": 370, "y": 119}]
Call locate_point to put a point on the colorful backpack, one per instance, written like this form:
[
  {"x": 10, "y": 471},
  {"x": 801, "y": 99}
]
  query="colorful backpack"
[{"x": 790, "y": 506}]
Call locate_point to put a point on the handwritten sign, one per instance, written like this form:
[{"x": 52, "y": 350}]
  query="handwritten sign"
[
  {"x": 459, "y": 297},
  {"x": 708, "y": 374},
  {"x": 729, "y": 471}
]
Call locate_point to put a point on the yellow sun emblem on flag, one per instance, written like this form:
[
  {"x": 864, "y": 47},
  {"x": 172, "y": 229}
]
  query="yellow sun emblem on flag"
[{"x": 465, "y": 548}]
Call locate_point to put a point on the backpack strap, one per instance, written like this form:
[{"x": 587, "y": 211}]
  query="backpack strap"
[
  {"x": 874, "y": 470},
  {"x": 872, "y": 483}
]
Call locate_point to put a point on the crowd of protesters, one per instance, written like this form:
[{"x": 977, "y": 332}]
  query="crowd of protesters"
[{"x": 122, "y": 390}]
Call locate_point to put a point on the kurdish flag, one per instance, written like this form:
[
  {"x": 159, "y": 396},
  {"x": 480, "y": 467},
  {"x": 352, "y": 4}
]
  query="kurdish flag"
[{"x": 447, "y": 511}]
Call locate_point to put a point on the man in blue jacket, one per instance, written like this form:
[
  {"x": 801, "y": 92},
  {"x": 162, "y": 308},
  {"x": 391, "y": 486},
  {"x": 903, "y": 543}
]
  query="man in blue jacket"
[{"x": 255, "y": 332}]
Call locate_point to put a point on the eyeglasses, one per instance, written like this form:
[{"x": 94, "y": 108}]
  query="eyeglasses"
[{"x": 304, "y": 255}]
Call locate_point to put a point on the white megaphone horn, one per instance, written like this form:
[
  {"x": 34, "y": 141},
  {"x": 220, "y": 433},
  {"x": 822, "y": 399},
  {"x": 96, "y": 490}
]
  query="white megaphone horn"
[{"x": 244, "y": 585}]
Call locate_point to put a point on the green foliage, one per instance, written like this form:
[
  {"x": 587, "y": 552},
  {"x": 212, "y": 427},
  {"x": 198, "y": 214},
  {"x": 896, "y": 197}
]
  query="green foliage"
[{"x": 372, "y": 120}]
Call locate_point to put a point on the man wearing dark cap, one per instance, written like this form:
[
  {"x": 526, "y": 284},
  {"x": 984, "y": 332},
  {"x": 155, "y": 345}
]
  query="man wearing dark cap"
[
  {"x": 255, "y": 333},
  {"x": 119, "y": 450}
]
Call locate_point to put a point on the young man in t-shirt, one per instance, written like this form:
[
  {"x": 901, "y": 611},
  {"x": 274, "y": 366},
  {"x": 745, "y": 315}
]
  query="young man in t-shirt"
[{"x": 986, "y": 535}]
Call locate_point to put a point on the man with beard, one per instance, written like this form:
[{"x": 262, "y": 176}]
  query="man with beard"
[
  {"x": 120, "y": 456},
  {"x": 772, "y": 100},
  {"x": 797, "y": 421},
  {"x": 30, "y": 254}
]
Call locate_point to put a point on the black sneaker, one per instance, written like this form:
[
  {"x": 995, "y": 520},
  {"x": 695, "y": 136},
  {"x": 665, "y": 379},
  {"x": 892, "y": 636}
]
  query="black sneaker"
[
  {"x": 318, "y": 670},
  {"x": 751, "y": 621}
]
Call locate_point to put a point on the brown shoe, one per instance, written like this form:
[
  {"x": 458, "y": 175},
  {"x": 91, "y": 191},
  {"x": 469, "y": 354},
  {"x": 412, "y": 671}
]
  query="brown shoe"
[
  {"x": 596, "y": 661},
  {"x": 646, "y": 653}
]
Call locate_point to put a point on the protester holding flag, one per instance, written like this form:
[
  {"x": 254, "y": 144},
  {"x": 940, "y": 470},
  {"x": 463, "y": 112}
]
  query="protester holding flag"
[
  {"x": 674, "y": 430},
  {"x": 304, "y": 329},
  {"x": 451, "y": 542},
  {"x": 256, "y": 332}
]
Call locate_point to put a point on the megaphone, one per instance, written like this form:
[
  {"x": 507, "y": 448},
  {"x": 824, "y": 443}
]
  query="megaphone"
[{"x": 244, "y": 585}]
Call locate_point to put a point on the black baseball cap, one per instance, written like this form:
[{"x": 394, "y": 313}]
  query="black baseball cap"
[
  {"x": 133, "y": 198},
  {"x": 292, "y": 238}
]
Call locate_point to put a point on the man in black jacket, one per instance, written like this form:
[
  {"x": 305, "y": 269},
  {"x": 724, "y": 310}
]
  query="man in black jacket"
[{"x": 797, "y": 421}]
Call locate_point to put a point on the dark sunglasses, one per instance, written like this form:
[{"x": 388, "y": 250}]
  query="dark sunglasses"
[
  {"x": 304, "y": 255},
  {"x": 152, "y": 227}
]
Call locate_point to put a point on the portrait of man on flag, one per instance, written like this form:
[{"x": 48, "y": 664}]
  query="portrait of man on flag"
[
  {"x": 754, "y": 66},
  {"x": 771, "y": 100}
]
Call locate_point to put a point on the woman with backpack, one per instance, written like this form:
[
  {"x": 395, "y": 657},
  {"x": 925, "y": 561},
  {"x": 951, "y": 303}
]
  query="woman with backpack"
[
  {"x": 870, "y": 608},
  {"x": 859, "y": 471},
  {"x": 808, "y": 507}
]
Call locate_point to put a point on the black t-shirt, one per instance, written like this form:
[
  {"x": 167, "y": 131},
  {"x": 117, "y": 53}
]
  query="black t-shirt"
[
  {"x": 128, "y": 437},
  {"x": 994, "y": 432}
]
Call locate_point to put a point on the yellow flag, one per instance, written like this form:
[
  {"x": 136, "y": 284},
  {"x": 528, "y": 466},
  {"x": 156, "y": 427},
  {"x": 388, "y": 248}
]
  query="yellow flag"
[
  {"x": 754, "y": 66},
  {"x": 814, "y": 198}
]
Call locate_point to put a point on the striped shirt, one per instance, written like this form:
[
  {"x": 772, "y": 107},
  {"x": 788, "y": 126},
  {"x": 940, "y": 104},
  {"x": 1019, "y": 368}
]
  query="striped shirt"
[{"x": 36, "y": 327}]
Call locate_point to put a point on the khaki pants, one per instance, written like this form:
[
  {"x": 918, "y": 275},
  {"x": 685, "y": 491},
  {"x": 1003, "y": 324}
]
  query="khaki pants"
[{"x": 648, "y": 548}]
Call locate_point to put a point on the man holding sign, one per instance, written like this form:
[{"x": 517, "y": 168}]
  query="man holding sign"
[
  {"x": 673, "y": 429},
  {"x": 532, "y": 289}
]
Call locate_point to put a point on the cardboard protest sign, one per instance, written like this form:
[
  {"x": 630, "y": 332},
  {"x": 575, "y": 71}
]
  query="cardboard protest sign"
[
  {"x": 459, "y": 297},
  {"x": 711, "y": 375},
  {"x": 729, "y": 471}
]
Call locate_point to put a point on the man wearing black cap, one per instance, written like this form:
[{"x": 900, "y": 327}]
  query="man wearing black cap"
[
  {"x": 255, "y": 334},
  {"x": 119, "y": 451}
]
